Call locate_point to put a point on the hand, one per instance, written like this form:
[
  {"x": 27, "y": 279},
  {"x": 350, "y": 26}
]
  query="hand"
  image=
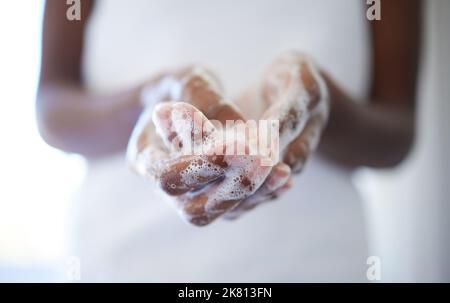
[
  {"x": 294, "y": 93},
  {"x": 205, "y": 186}
]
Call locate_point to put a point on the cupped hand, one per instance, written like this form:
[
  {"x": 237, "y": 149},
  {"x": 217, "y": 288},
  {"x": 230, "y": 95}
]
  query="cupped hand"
[
  {"x": 181, "y": 146},
  {"x": 294, "y": 93}
]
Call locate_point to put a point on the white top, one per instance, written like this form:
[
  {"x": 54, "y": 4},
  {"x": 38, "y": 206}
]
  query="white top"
[{"x": 124, "y": 230}]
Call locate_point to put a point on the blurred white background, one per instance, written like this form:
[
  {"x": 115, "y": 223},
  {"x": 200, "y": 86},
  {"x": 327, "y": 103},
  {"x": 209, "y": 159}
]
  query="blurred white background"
[
  {"x": 36, "y": 181},
  {"x": 407, "y": 208}
]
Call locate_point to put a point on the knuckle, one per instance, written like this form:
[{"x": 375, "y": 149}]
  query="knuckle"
[
  {"x": 171, "y": 189},
  {"x": 169, "y": 184}
]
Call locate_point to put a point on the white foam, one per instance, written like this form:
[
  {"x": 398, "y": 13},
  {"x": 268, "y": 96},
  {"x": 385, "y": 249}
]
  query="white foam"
[
  {"x": 199, "y": 168},
  {"x": 240, "y": 168},
  {"x": 167, "y": 88}
]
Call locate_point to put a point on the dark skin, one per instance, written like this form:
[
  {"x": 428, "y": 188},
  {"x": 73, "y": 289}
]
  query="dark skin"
[
  {"x": 378, "y": 133},
  {"x": 381, "y": 133},
  {"x": 70, "y": 117}
]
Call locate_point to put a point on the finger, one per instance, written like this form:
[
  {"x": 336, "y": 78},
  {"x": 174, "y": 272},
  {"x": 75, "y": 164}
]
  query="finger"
[
  {"x": 225, "y": 112},
  {"x": 188, "y": 173},
  {"x": 193, "y": 84},
  {"x": 293, "y": 90},
  {"x": 244, "y": 176},
  {"x": 165, "y": 86},
  {"x": 291, "y": 71},
  {"x": 183, "y": 128},
  {"x": 301, "y": 147},
  {"x": 277, "y": 178},
  {"x": 145, "y": 151},
  {"x": 149, "y": 157},
  {"x": 201, "y": 88},
  {"x": 277, "y": 182},
  {"x": 238, "y": 211},
  {"x": 162, "y": 121}
]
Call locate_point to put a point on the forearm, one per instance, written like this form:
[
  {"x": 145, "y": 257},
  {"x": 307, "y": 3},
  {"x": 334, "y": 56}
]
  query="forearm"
[
  {"x": 75, "y": 120},
  {"x": 375, "y": 135}
]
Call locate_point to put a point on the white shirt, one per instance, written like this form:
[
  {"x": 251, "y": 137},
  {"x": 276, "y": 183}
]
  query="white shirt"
[{"x": 124, "y": 230}]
